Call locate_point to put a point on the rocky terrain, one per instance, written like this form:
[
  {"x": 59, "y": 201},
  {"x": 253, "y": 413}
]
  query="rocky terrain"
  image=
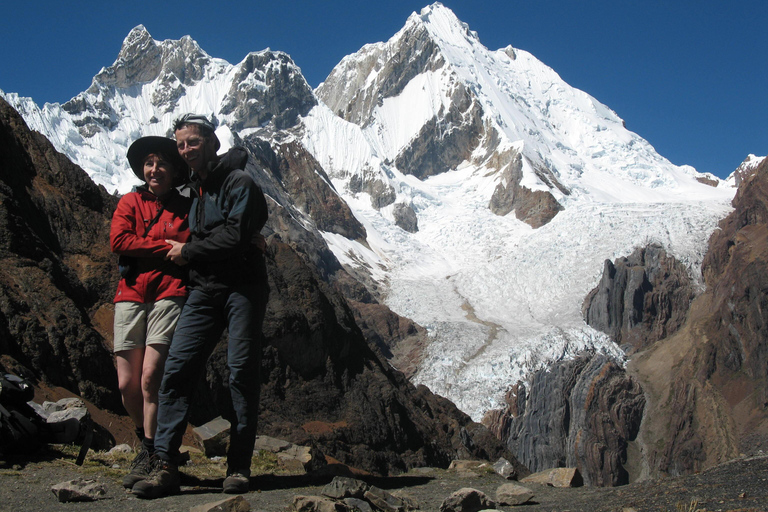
[{"x": 737, "y": 486}]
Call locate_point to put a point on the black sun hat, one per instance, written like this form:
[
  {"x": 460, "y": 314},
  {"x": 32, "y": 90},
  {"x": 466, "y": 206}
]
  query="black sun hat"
[{"x": 161, "y": 146}]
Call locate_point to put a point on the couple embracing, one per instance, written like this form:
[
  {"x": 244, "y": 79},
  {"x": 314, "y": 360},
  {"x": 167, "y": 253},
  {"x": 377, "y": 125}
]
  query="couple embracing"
[{"x": 192, "y": 264}]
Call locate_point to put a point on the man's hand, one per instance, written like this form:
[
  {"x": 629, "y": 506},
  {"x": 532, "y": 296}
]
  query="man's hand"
[{"x": 175, "y": 253}]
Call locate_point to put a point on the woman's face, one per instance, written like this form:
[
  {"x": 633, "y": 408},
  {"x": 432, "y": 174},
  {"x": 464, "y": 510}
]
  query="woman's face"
[{"x": 158, "y": 173}]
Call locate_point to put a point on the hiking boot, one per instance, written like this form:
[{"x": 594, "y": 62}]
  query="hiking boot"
[
  {"x": 163, "y": 480},
  {"x": 237, "y": 482},
  {"x": 140, "y": 469}
]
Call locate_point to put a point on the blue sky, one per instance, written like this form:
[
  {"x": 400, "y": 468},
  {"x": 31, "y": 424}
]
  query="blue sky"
[{"x": 690, "y": 76}]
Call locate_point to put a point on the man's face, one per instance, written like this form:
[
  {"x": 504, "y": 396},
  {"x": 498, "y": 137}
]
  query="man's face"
[{"x": 196, "y": 150}]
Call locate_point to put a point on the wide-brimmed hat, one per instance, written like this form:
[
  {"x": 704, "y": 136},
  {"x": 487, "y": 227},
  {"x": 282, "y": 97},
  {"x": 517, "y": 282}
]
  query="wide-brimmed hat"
[{"x": 144, "y": 146}]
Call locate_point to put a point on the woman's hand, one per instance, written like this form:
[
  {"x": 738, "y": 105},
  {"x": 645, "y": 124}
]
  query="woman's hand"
[{"x": 175, "y": 253}]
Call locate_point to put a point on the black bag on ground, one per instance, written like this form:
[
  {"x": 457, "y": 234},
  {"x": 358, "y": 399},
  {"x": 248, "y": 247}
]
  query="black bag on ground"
[{"x": 23, "y": 431}]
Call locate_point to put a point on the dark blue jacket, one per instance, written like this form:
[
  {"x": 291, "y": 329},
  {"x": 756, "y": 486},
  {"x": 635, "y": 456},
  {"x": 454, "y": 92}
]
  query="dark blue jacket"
[{"x": 228, "y": 212}]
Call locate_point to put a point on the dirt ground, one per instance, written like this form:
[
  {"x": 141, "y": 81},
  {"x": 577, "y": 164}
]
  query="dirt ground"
[{"x": 25, "y": 485}]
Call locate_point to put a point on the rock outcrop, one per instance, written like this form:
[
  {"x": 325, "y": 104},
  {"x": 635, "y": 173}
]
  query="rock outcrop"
[
  {"x": 641, "y": 298},
  {"x": 535, "y": 208},
  {"x": 580, "y": 413},
  {"x": 57, "y": 276}
]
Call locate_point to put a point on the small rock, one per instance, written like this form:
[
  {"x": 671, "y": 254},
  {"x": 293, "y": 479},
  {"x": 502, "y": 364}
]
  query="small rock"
[
  {"x": 355, "y": 504},
  {"x": 270, "y": 444},
  {"x": 467, "y": 500},
  {"x": 79, "y": 490},
  {"x": 315, "y": 504},
  {"x": 64, "y": 403},
  {"x": 79, "y": 413},
  {"x": 121, "y": 448},
  {"x": 300, "y": 453},
  {"x": 409, "y": 502},
  {"x": 233, "y": 504},
  {"x": 459, "y": 465},
  {"x": 316, "y": 462},
  {"x": 383, "y": 500},
  {"x": 513, "y": 494},
  {"x": 504, "y": 468},
  {"x": 343, "y": 487},
  {"x": 213, "y": 437}
]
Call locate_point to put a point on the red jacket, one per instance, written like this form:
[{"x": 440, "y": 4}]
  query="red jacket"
[{"x": 157, "y": 278}]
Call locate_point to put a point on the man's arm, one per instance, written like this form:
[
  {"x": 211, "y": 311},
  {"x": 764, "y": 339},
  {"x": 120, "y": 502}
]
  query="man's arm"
[{"x": 245, "y": 202}]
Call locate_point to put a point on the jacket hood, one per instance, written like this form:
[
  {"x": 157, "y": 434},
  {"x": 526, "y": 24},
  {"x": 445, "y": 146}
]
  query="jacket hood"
[{"x": 235, "y": 158}]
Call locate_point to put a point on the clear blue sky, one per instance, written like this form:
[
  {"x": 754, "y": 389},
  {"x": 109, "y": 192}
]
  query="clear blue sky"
[{"x": 690, "y": 76}]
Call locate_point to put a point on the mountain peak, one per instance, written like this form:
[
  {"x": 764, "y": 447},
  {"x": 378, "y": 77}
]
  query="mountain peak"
[
  {"x": 136, "y": 40},
  {"x": 443, "y": 24}
]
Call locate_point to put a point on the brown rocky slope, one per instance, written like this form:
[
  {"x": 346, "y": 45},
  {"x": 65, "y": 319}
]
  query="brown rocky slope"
[{"x": 707, "y": 384}]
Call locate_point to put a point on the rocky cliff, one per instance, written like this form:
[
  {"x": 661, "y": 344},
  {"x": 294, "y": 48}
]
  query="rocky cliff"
[
  {"x": 322, "y": 384},
  {"x": 57, "y": 275},
  {"x": 641, "y": 298},
  {"x": 707, "y": 385},
  {"x": 581, "y": 413}
]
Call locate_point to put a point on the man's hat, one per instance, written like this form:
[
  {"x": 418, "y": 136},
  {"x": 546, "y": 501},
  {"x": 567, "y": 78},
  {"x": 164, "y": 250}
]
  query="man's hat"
[
  {"x": 199, "y": 120},
  {"x": 144, "y": 146}
]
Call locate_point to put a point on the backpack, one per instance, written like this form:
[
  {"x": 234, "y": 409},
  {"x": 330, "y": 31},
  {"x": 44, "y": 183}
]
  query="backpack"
[
  {"x": 23, "y": 431},
  {"x": 19, "y": 423}
]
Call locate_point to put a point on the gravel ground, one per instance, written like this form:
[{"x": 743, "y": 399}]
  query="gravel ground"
[{"x": 740, "y": 485}]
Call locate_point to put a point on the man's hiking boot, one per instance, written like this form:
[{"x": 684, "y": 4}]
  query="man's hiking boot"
[
  {"x": 237, "y": 482},
  {"x": 140, "y": 468},
  {"x": 163, "y": 480}
]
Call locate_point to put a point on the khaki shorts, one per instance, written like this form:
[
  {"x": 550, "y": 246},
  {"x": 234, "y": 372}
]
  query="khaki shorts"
[{"x": 153, "y": 323}]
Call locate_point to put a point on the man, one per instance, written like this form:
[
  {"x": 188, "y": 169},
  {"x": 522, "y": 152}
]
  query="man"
[{"x": 227, "y": 288}]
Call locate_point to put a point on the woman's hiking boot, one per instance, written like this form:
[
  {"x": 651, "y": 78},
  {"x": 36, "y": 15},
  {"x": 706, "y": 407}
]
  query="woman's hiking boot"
[
  {"x": 237, "y": 482},
  {"x": 140, "y": 468},
  {"x": 163, "y": 480}
]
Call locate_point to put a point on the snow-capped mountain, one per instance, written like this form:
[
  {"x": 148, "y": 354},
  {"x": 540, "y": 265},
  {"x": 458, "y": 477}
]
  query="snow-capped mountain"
[{"x": 491, "y": 191}]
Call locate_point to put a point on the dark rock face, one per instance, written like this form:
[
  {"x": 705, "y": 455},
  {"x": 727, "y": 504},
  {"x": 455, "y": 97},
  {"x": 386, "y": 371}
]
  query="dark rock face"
[
  {"x": 640, "y": 299},
  {"x": 382, "y": 193},
  {"x": 581, "y": 413},
  {"x": 399, "y": 340},
  {"x": 535, "y": 208},
  {"x": 57, "y": 275},
  {"x": 405, "y": 217},
  {"x": 310, "y": 190},
  {"x": 268, "y": 88},
  {"x": 446, "y": 140}
]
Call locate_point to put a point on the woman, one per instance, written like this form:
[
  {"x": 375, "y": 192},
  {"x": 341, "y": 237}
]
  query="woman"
[{"x": 151, "y": 291}]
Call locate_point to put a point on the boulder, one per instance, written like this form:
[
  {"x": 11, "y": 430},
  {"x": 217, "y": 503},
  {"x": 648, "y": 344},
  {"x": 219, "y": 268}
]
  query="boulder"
[
  {"x": 505, "y": 469},
  {"x": 513, "y": 494},
  {"x": 343, "y": 487},
  {"x": 383, "y": 500},
  {"x": 557, "y": 477},
  {"x": 467, "y": 500},
  {"x": 213, "y": 437}
]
